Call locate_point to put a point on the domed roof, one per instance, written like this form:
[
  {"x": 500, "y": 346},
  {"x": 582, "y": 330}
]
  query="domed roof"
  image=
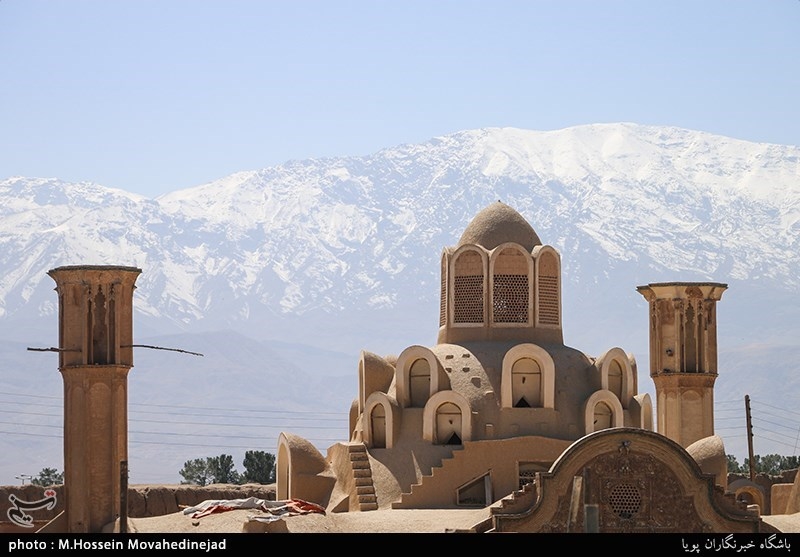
[{"x": 496, "y": 224}]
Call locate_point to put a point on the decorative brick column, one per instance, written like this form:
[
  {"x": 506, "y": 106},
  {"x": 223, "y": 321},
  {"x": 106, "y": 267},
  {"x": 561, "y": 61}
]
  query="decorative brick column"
[
  {"x": 683, "y": 356},
  {"x": 95, "y": 320}
]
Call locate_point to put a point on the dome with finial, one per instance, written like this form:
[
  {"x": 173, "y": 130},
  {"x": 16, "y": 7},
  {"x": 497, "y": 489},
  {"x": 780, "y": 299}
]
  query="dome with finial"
[{"x": 497, "y": 224}]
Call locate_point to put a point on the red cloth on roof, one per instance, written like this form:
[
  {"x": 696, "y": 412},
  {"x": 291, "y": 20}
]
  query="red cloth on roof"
[{"x": 275, "y": 509}]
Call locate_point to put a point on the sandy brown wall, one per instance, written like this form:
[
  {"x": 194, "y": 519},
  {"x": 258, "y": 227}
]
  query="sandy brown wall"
[{"x": 143, "y": 500}]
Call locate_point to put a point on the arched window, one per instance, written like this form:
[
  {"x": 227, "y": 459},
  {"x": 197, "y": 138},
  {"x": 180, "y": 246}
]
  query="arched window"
[
  {"x": 468, "y": 288},
  {"x": 618, "y": 374},
  {"x": 420, "y": 382},
  {"x": 528, "y": 378},
  {"x": 446, "y": 419},
  {"x": 377, "y": 424},
  {"x": 603, "y": 416},
  {"x": 602, "y": 410},
  {"x": 448, "y": 424},
  {"x": 382, "y": 420},
  {"x": 526, "y": 383},
  {"x": 615, "y": 379}
]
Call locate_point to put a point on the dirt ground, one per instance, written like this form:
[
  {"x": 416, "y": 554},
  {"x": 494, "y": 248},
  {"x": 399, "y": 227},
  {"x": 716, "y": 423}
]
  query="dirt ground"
[
  {"x": 417, "y": 521},
  {"x": 378, "y": 521}
]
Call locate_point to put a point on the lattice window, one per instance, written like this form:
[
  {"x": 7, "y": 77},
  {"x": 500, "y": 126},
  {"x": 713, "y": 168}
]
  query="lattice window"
[
  {"x": 468, "y": 300},
  {"x": 625, "y": 500},
  {"x": 548, "y": 300},
  {"x": 510, "y": 299},
  {"x": 528, "y": 471},
  {"x": 443, "y": 297},
  {"x": 526, "y": 477},
  {"x": 511, "y": 286},
  {"x": 468, "y": 287},
  {"x": 548, "y": 291}
]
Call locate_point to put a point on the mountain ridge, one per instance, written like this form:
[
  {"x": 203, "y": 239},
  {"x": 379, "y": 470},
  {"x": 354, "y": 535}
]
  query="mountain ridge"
[{"x": 342, "y": 254}]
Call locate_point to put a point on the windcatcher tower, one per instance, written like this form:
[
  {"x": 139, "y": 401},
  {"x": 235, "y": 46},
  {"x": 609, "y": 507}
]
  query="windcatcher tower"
[
  {"x": 95, "y": 318},
  {"x": 683, "y": 356}
]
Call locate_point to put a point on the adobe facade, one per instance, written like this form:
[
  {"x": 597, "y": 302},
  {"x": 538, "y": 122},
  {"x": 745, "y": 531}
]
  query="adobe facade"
[
  {"x": 95, "y": 317},
  {"x": 492, "y": 413},
  {"x": 499, "y": 414}
]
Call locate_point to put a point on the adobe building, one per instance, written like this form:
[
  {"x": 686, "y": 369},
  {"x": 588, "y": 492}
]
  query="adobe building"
[
  {"x": 501, "y": 413},
  {"x": 95, "y": 354}
]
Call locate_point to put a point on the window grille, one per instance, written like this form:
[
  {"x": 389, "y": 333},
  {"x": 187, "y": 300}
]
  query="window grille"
[
  {"x": 468, "y": 288},
  {"x": 528, "y": 471},
  {"x": 443, "y": 298},
  {"x": 548, "y": 300},
  {"x": 510, "y": 299},
  {"x": 468, "y": 300},
  {"x": 625, "y": 500}
]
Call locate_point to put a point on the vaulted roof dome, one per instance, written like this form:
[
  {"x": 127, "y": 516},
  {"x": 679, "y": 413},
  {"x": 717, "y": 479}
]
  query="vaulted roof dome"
[{"x": 496, "y": 224}]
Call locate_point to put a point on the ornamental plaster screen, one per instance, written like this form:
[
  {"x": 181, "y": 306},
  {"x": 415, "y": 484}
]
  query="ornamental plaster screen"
[
  {"x": 468, "y": 288},
  {"x": 549, "y": 306},
  {"x": 511, "y": 270}
]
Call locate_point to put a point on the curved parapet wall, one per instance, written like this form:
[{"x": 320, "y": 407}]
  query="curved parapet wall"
[{"x": 637, "y": 481}]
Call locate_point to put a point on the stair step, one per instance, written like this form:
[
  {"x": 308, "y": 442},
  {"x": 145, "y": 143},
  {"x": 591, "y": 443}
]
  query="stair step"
[{"x": 368, "y": 506}]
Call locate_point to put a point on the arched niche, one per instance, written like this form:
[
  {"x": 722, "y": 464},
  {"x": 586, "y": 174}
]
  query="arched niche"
[
  {"x": 602, "y": 405},
  {"x": 617, "y": 374},
  {"x": 546, "y": 366},
  {"x": 439, "y": 408},
  {"x": 382, "y": 420},
  {"x": 416, "y": 367}
]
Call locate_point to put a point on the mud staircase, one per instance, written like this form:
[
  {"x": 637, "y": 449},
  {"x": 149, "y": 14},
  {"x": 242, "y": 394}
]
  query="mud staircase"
[
  {"x": 362, "y": 477},
  {"x": 409, "y": 500},
  {"x": 517, "y": 501}
]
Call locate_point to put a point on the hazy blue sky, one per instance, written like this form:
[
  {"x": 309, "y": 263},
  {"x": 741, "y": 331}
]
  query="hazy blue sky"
[{"x": 153, "y": 96}]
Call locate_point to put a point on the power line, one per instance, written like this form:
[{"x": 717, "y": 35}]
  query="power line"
[
  {"x": 190, "y": 407},
  {"x": 778, "y": 408}
]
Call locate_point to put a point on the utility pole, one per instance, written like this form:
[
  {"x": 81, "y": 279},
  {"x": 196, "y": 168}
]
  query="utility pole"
[
  {"x": 123, "y": 497},
  {"x": 749, "y": 438}
]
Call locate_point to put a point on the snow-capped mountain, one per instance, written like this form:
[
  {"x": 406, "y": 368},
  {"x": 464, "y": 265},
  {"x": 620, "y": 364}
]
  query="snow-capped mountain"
[{"x": 318, "y": 259}]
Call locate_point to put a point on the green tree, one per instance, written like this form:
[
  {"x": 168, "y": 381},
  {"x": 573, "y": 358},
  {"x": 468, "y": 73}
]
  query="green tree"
[
  {"x": 733, "y": 465},
  {"x": 259, "y": 467},
  {"x": 223, "y": 471},
  {"x": 48, "y": 477},
  {"x": 210, "y": 470},
  {"x": 196, "y": 472},
  {"x": 772, "y": 464}
]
